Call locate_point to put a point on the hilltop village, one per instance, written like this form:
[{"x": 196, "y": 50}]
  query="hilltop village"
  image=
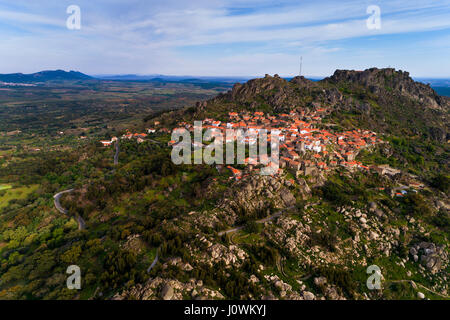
[{"x": 304, "y": 148}]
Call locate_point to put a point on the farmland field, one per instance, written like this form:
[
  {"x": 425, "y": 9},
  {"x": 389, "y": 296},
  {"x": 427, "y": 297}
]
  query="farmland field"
[{"x": 7, "y": 193}]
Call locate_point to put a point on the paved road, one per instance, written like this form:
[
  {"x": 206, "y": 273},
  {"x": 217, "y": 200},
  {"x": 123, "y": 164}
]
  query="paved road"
[
  {"x": 279, "y": 264},
  {"x": 116, "y": 155},
  {"x": 221, "y": 233},
  {"x": 153, "y": 263},
  {"x": 159, "y": 142},
  {"x": 276, "y": 215},
  {"x": 57, "y": 197},
  {"x": 81, "y": 223}
]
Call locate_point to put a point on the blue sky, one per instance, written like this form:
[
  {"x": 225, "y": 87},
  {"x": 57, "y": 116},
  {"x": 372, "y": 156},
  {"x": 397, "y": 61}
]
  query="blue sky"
[{"x": 225, "y": 37}]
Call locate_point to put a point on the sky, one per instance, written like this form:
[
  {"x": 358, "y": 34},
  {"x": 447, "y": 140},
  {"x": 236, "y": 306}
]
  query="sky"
[{"x": 226, "y": 37}]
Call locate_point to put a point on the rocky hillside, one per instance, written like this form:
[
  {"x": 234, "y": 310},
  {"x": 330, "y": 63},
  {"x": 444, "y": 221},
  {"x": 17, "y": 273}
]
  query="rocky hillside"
[
  {"x": 312, "y": 250},
  {"x": 156, "y": 230},
  {"x": 399, "y": 83},
  {"x": 394, "y": 102},
  {"x": 389, "y": 102},
  {"x": 384, "y": 100},
  {"x": 314, "y": 237}
]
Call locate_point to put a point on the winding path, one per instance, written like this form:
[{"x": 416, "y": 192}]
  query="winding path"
[
  {"x": 154, "y": 141},
  {"x": 276, "y": 215},
  {"x": 116, "y": 155},
  {"x": 413, "y": 283},
  {"x": 153, "y": 263},
  {"x": 57, "y": 197},
  {"x": 279, "y": 264},
  {"x": 81, "y": 223}
]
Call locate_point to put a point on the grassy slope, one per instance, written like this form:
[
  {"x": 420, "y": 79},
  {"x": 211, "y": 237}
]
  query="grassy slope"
[{"x": 15, "y": 193}]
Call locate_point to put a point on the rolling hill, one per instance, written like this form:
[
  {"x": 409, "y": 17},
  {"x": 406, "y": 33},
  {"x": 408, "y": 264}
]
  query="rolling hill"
[{"x": 43, "y": 76}]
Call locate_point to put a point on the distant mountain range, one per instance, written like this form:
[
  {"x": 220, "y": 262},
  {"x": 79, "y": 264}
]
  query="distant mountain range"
[
  {"x": 442, "y": 86},
  {"x": 58, "y": 75},
  {"x": 43, "y": 76},
  {"x": 161, "y": 77}
]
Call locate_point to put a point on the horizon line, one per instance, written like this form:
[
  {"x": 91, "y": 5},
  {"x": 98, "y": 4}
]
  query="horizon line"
[{"x": 248, "y": 77}]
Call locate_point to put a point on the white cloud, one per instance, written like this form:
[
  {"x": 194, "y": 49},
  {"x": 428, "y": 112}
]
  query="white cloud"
[{"x": 151, "y": 37}]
